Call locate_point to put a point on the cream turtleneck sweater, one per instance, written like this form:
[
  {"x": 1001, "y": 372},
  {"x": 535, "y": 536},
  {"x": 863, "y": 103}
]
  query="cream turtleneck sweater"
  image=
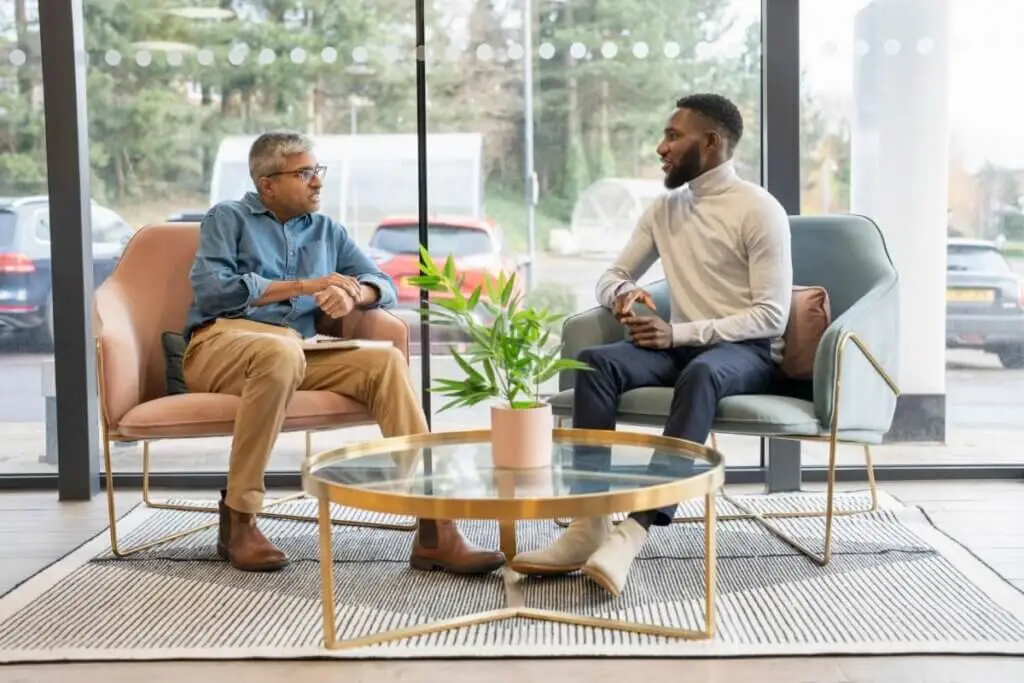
[{"x": 724, "y": 244}]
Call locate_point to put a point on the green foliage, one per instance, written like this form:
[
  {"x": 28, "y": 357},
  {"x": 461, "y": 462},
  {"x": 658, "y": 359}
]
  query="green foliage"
[
  {"x": 1012, "y": 226},
  {"x": 508, "y": 358},
  {"x": 154, "y": 129}
]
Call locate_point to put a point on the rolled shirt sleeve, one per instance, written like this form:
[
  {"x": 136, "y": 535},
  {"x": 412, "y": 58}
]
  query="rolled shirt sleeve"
[{"x": 220, "y": 290}]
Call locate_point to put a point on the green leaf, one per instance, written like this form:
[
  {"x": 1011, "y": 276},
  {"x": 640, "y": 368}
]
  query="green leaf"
[
  {"x": 449, "y": 268},
  {"x": 474, "y": 298},
  {"x": 466, "y": 367},
  {"x": 506, "y": 292}
]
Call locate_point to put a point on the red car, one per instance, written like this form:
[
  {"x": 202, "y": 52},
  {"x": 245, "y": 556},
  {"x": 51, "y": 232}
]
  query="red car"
[{"x": 475, "y": 243}]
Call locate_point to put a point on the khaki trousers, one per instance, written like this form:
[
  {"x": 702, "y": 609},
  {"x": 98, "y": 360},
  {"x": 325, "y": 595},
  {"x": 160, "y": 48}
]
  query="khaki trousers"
[{"x": 264, "y": 365}]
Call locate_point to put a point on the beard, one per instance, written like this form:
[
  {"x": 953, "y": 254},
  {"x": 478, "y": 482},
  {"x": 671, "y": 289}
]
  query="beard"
[{"x": 687, "y": 168}]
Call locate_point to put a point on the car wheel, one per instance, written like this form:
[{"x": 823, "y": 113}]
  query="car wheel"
[{"x": 1012, "y": 358}]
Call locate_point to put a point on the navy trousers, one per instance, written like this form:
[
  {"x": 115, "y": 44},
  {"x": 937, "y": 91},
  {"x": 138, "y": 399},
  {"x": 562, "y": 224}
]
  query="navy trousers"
[{"x": 700, "y": 377}]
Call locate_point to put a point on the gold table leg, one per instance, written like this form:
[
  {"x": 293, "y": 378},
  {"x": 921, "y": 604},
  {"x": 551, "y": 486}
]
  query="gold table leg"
[
  {"x": 507, "y": 538},
  {"x": 331, "y": 641}
]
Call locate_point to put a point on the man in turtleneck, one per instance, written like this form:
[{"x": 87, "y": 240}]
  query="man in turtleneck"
[{"x": 724, "y": 244}]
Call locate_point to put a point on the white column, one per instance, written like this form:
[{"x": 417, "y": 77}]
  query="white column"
[{"x": 899, "y": 174}]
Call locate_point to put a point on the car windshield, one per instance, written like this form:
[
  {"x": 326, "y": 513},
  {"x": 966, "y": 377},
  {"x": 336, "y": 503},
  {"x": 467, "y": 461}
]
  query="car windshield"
[
  {"x": 974, "y": 259},
  {"x": 444, "y": 240},
  {"x": 8, "y": 222}
]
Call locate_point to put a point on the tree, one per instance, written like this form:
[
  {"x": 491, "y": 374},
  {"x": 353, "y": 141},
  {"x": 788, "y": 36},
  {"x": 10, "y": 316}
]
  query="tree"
[
  {"x": 602, "y": 110},
  {"x": 156, "y": 123}
]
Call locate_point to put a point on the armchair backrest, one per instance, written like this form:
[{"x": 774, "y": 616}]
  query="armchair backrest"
[
  {"x": 844, "y": 253},
  {"x": 147, "y": 294}
]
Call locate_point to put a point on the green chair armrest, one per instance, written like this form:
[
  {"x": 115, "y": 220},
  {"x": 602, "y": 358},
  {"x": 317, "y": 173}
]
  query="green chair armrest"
[
  {"x": 856, "y": 361},
  {"x": 592, "y": 327}
]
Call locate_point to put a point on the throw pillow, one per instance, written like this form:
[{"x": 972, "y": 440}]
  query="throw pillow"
[
  {"x": 810, "y": 314},
  {"x": 174, "y": 349}
]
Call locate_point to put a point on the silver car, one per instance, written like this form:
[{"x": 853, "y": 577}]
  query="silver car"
[{"x": 984, "y": 301}]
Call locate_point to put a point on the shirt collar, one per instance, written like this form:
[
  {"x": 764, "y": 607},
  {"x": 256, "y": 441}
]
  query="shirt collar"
[
  {"x": 251, "y": 200},
  {"x": 253, "y": 203}
]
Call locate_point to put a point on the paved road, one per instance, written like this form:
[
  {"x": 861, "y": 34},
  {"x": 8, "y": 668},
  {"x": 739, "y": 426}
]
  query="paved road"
[{"x": 980, "y": 393}]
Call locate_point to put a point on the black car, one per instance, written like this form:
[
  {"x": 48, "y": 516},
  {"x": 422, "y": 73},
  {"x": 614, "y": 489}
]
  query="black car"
[
  {"x": 26, "y": 300},
  {"x": 984, "y": 301}
]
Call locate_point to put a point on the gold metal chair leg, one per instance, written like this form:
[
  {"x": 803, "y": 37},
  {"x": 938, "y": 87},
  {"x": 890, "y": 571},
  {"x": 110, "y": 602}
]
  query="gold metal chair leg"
[
  {"x": 266, "y": 511},
  {"x": 829, "y": 513},
  {"x": 115, "y": 546},
  {"x": 833, "y": 439}
]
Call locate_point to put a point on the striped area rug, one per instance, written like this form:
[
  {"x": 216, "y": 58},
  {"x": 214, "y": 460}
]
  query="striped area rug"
[{"x": 896, "y": 585}]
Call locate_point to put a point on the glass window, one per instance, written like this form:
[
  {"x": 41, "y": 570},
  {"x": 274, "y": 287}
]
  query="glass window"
[
  {"x": 976, "y": 259},
  {"x": 27, "y": 390},
  {"x": 443, "y": 240},
  {"x": 41, "y": 225},
  {"x": 177, "y": 96},
  {"x": 8, "y": 224},
  {"x": 581, "y": 118},
  {"x": 891, "y": 129},
  {"x": 107, "y": 226}
]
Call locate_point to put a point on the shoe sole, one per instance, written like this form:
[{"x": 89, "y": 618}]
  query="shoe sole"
[
  {"x": 601, "y": 580},
  {"x": 427, "y": 565},
  {"x": 527, "y": 569},
  {"x": 223, "y": 554}
]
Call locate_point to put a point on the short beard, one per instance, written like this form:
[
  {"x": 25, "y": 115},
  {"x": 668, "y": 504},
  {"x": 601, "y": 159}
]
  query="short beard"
[{"x": 688, "y": 168}]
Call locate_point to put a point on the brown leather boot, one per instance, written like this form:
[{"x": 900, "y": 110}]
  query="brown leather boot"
[
  {"x": 440, "y": 545},
  {"x": 244, "y": 545}
]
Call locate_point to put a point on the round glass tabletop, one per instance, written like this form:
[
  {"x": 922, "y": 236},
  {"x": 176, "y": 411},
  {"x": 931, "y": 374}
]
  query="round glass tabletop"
[{"x": 451, "y": 475}]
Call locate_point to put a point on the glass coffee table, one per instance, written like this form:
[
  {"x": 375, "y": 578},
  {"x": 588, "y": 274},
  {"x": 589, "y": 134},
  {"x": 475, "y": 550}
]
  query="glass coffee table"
[{"x": 450, "y": 475}]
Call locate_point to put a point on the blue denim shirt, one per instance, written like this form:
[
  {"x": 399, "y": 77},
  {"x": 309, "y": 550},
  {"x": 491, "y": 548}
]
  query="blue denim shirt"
[{"x": 243, "y": 248}]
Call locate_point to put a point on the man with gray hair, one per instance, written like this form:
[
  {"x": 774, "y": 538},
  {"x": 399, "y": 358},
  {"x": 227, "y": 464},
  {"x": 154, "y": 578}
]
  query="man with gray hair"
[{"x": 269, "y": 269}]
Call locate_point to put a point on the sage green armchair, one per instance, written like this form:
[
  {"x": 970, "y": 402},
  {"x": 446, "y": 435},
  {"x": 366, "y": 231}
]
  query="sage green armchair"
[{"x": 852, "y": 396}]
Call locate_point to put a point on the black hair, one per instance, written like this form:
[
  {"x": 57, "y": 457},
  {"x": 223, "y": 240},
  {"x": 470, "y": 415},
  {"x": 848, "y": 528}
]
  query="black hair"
[{"x": 720, "y": 110}]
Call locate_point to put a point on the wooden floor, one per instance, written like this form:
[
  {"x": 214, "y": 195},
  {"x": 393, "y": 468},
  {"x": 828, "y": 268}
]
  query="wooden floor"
[{"x": 987, "y": 517}]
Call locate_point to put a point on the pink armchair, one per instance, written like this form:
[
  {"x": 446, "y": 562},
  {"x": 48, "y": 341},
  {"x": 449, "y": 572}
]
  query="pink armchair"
[{"x": 149, "y": 294}]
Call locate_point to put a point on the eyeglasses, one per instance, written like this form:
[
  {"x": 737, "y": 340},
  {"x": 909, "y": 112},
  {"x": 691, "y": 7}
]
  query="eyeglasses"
[{"x": 305, "y": 174}]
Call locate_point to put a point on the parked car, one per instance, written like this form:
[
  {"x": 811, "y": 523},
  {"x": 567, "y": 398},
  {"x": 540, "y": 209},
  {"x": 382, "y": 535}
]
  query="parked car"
[
  {"x": 984, "y": 301},
  {"x": 26, "y": 299},
  {"x": 476, "y": 244},
  {"x": 189, "y": 216}
]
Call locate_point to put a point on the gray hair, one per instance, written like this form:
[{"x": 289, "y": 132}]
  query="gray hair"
[{"x": 269, "y": 151}]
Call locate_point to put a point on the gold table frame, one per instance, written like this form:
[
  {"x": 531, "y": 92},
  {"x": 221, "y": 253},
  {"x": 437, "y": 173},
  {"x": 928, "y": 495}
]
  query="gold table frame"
[{"x": 506, "y": 511}]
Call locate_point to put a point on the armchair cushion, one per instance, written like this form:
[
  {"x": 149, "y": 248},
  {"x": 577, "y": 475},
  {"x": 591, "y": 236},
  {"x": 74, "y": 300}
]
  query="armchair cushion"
[
  {"x": 810, "y": 315},
  {"x": 174, "y": 349},
  {"x": 205, "y": 414}
]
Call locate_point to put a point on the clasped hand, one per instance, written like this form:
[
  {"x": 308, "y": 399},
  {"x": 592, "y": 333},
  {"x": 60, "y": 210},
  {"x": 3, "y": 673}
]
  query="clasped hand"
[
  {"x": 337, "y": 295},
  {"x": 647, "y": 331}
]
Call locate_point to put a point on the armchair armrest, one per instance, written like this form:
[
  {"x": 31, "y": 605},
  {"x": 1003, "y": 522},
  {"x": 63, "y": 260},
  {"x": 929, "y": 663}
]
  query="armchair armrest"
[
  {"x": 592, "y": 327},
  {"x": 120, "y": 359},
  {"x": 376, "y": 323},
  {"x": 855, "y": 364}
]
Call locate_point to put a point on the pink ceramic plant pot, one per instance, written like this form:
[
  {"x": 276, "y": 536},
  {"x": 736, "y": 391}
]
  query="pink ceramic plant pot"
[{"x": 521, "y": 438}]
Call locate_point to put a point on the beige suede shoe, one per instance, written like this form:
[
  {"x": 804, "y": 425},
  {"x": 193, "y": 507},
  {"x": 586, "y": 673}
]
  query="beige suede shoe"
[
  {"x": 609, "y": 566},
  {"x": 569, "y": 552}
]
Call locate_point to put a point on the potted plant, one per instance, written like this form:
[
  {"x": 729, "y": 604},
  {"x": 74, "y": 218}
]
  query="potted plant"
[{"x": 507, "y": 358}]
